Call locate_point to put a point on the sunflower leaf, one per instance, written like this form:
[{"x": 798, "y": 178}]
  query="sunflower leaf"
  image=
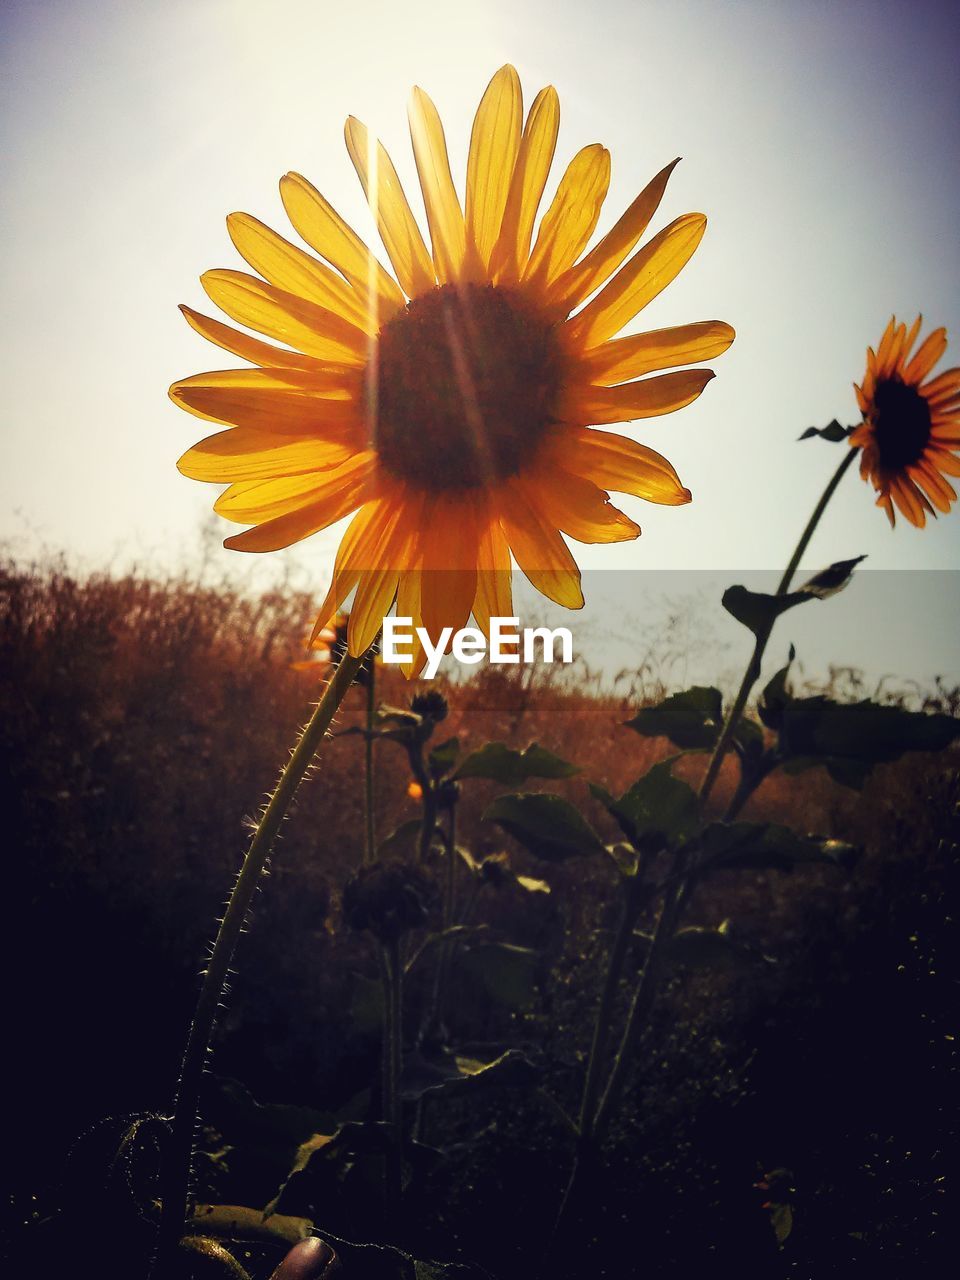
[
  {"x": 500, "y": 763},
  {"x": 758, "y": 610},
  {"x": 443, "y": 758},
  {"x": 833, "y": 432},
  {"x": 764, "y": 846},
  {"x": 549, "y": 826},
  {"x": 658, "y": 809},
  {"x": 849, "y": 739},
  {"x": 691, "y": 720},
  {"x": 508, "y": 973},
  {"x": 454, "y": 1075}
]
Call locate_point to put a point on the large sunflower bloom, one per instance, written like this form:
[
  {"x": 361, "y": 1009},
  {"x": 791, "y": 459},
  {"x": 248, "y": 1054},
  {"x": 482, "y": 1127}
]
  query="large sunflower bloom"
[
  {"x": 911, "y": 428},
  {"x": 448, "y": 406}
]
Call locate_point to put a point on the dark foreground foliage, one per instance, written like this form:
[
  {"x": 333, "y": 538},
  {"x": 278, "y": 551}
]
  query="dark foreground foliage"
[{"x": 793, "y": 1116}]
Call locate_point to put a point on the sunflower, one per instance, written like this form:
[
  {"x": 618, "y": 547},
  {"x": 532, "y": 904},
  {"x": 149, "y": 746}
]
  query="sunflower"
[
  {"x": 911, "y": 428},
  {"x": 449, "y": 405}
]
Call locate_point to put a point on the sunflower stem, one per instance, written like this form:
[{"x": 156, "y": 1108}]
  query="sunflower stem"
[
  {"x": 178, "y": 1155},
  {"x": 676, "y": 896},
  {"x": 752, "y": 673},
  {"x": 392, "y": 975}
]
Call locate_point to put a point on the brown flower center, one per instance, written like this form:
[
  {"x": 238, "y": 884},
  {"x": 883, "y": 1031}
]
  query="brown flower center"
[
  {"x": 901, "y": 424},
  {"x": 463, "y": 385}
]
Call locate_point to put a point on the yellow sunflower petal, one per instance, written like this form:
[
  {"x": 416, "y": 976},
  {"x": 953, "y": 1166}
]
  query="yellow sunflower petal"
[
  {"x": 944, "y": 461},
  {"x": 943, "y": 387},
  {"x": 639, "y": 282},
  {"x": 255, "y": 398},
  {"x": 444, "y": 215},
  {"x": 447, "y": 547},
  {"x": 289, "y": 268},
  {"x": 641, "y": 353},
  {"x": 397, "y": 225},
  {"x": 494, "y": 144},
  {"x": 255, "y": 501},
  {"x": 539, "y": 549},
  {"x": 927, "y": 355},
  {"x": 617, "y": 463},
  {"x": 280, "y": 315},
  {"x": 244, "y": 454},
  {"x": 247, "y": 348},
  {"x": 580, "y": 509},
  {"x": 408, "y": 606},
  {"x": 600, "y": 263},
  {"x": 283, "y": 531},
  {"x": 325, "y": 231},
  {"x": 494, "y": 598},
  {"x": 907, "y": 499},
  {"x": 940, "y": 492},
  {"x": 631, "y": 400},
  {"x": 530, "y": 172},
  {"x": 572, "y": 217}
]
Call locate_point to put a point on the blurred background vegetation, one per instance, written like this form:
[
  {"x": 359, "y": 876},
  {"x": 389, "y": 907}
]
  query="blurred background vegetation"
[{"x": 793, "y": 1119}]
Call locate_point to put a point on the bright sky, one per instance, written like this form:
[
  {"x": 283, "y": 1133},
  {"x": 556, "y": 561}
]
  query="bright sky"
[{"x": 820, "y": 139}]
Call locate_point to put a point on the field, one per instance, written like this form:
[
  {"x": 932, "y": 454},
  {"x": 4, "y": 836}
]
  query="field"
[{"x": 792, "y": 1117}]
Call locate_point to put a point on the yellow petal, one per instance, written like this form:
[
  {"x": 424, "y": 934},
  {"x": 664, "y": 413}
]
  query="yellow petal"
[
  {"x": 943, "y": 387},
  {"x": 281, "y": 316},
  {"x": 397, "y": 225},
  {"x": 631, "y": 400},
  {"x": 333, "y": 504},
  {"x": 539, "y": 549},
  {"x": 247, "y": 348},
  {"x": 255, "y": 501},
  {"x": 639, "y": 282},
  {"x": 572, "y": 217},
  {"x": 601, "y": 262},
  {"x": 534, "y": 158},
  {"x": 375, "y": 595},
  {"x": 444, "y": 215},
  {"x": 408, "y": 606},
  {"x": 617, "y": 463},
  {"x": 289, "y": 268},
  {"x": 326, "y": 232},
  {"x": 641, "y": 353},
  {"x": 257, "y": 398},
  {"x": 579, "y": 508},
  {"x": 243, "y": 454},
  {"x": 927, "y": 355},
  {"x": 447, "y": 554},
  {"x": 494, "y": 144},
  {"x": 494, "y": 598}
]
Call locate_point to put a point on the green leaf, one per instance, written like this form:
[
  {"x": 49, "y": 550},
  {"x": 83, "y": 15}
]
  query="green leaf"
[
  {"x": 701, "y": 948},
  {"x": 501, "y": 763},
  {"x": 691, "y": 720},
  {"x": 382, "y": 1262},
  {"x": 443, "y": 758},
  {"x": 549, "y": 826},
  {"x": 833, "y": 432},
  {"x": 238, "y": 1222},
  {"x": 758, "y": 610},
  {"x": 401, "y": 842},
  {"x": 849, "y": 739},
  {"x": 455, "y": 1075},
  {"x": 658, "y": 808},
  {"x": 507, "y": 973},
  {"x": 767, "y": 845},
  {"x": 775, "y": 696}
]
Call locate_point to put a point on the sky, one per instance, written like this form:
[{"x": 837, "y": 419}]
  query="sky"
[{"x": 819, "y": 138}]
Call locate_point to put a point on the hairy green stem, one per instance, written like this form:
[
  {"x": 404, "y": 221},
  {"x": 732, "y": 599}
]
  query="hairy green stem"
[
  {"x": 178, "y": 1154},
  {"x": 392, "y": 1064}
]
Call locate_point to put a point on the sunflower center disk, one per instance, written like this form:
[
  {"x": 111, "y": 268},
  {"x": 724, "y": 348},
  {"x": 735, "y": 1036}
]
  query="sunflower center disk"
[
  {"x": 465, "y": 382},
  {"x": 901, "y": 424}
]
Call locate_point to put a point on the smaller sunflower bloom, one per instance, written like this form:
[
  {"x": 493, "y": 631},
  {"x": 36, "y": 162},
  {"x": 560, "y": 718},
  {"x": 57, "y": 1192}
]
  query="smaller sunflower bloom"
[{"x": 910, "y": 432}]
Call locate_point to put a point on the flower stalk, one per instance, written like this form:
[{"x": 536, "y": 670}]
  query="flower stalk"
[
  {"x": 596, "y": 1105},
  {"x": 178, "y": 1155}
]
